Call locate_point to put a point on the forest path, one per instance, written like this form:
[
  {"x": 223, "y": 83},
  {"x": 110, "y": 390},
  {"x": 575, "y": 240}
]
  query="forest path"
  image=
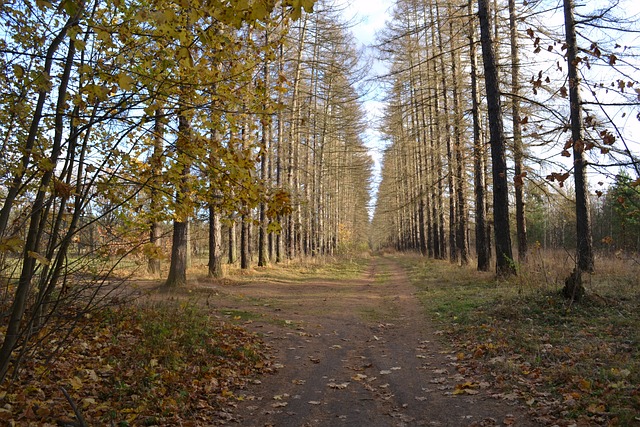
[{"x": 357, "y": 353}]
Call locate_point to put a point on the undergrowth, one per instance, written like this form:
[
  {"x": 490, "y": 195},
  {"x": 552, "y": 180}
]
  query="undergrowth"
[{"x": 139, "y": 365}]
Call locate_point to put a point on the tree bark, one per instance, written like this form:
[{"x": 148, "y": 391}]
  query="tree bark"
[
  {"x": 482, "y": 246},
  {"x": 215, "y": 243},
  {"x": 263, "y": 247},
  {"x": 244, "y": 242},
  {"x": 153, "y": 264},
  {"x": 518, "y": 155},
  {"x": 178, "y": 267},
  {"x": 585, "y": 262},
  {"x": 180, "y": 241},
  {"x": 233, "y": 245},
  {"x": 504, "y": 257},
  {"x": 461, "y": 209}
]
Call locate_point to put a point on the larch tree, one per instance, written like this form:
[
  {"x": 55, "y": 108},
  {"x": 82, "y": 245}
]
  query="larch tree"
[{"x": 501, "y": 224}]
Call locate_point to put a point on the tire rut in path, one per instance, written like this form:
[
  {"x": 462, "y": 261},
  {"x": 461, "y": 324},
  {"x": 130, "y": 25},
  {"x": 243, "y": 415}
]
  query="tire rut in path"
[{"x": 364, "y": 355}]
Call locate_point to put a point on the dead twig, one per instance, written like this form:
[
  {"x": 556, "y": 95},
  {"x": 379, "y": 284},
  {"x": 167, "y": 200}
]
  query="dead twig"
[{"x": 81, "y": 421}]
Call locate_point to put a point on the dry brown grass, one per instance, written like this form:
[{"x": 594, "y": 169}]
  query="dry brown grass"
[{"x": 571, "y": 363}]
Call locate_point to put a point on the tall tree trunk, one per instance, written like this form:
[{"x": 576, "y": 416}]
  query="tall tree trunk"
[
  {"x": 233, "y": 244},
  {"x": 482, "y": 245},
  {"x": 518, "y": 155},
  {"x": 504, "y": 256},
  {"x": 461, "y": 211},
  {"x": 279, "y": 250},
  {"x": 263, "y": 254},
  {"x": 585, "y": 263},
  {"x": 436, "y": 131},
  {"x": 153, "y": 264},
  {"x": 215, "y": 214},
  {"x": 447, "y": 132}
]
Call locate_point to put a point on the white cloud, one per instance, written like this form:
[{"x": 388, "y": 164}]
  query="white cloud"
[{"x": 370, "y": 15}]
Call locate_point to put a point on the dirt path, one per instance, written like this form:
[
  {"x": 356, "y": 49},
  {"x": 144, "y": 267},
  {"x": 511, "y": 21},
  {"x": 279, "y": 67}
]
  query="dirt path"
[{"x": 360, "y": 353}]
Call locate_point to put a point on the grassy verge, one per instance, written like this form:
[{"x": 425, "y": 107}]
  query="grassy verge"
[{"x": 573, "y": 364}]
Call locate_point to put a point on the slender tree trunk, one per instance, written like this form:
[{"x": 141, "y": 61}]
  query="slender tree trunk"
[
  {"x": 215, "y": 243},
  {"x": 461, "y": 208},
  {"x": 153, "y": 265},
  {"x": 244, "y": 242},
  {"x": 448, "y": 136},
  {"x": 518, "y": 155},
  {"x": 482, "y": 246},
  {"x": 279, "y": 250},
  {"x": 34, "y": 128},
  {"x": 39, "y": 211},
  {"x": 585, "y": 263},
  {"x": 233, "y": 245},
  {"x": 504, "y": 257},
  {"x": 263, "y": 254}
]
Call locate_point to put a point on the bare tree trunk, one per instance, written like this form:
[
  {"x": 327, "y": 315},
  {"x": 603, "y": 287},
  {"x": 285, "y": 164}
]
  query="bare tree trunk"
[
  {"x": 279, "y": 250},
  {"x": 180, "y": 242},
  {"x": 518, "y": 155},
  {"x": 244, "y": 242},
  {"x": 585, "y": 263},
  {"x": 461, "y": 209},
  {"x": 178, "y": 267},
  {"x": 504, "y": 257},
  {"x": 233, "y": 245},
  {"x": 482, "y": 246},
  {"x": 153, "y": 265},
  {"x": 447, "y": 134}
]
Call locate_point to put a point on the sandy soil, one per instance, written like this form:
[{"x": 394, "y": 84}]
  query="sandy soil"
[{"x": 357, "y": 353}]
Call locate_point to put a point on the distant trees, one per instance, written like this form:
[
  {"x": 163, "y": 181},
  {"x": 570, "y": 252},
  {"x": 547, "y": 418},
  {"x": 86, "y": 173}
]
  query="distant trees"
[{"x": 537, "y": 72}]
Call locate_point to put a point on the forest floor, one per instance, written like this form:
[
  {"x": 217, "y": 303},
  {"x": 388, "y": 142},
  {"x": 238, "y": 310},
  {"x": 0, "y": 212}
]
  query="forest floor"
[
  {"x": 395, "y": 340},
  {"x": 357, "y": 352}
]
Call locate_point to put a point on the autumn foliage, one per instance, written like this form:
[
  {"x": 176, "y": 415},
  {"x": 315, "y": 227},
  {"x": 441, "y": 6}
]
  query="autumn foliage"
[{"x": 161, "y": 365}]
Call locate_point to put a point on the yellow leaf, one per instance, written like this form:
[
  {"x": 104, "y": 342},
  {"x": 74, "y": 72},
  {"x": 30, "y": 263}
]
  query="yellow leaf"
[
  {"x": 11, "y": 243},
  {"x": 103, "y": 36},
  {"x": 584, "y": 385},
  {"x": 39, "y": 258},
  {"x": 125, "y": 81},
  {"x": 42, "y": 4},
  {"x": 18, "y": 71},
  {"x": 76, "y": 383}
]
